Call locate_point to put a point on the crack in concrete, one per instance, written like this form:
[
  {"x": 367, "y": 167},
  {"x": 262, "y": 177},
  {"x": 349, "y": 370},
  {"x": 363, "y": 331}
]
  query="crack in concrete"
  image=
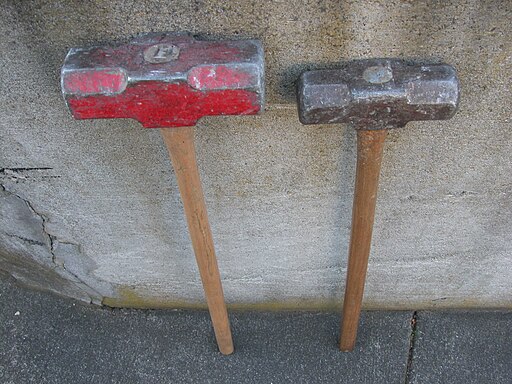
[
  {"x": 25, "y": 173},
  {"x": 21, "y": 169},
  {"x": 52, "y": 241},
  {"x": 25, "y": 239},
  {"x": 43, "y": 218}
]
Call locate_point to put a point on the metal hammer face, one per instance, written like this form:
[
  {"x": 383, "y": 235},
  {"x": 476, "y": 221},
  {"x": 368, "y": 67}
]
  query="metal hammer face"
[
  {"x": 378, "y": 94},
  {"x": 164, "y": 80}
]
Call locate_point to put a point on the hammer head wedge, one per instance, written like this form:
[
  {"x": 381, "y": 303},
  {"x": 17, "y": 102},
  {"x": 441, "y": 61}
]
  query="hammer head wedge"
[
  {"x": 165, "y": 80},
  {"x": 378, "y": 94}
]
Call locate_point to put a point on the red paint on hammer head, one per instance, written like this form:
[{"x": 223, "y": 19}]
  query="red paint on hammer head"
[
  {"x": 157, "y": 104},
  {"x": 165, "y": 80},
  {"x": 221, "y": 77},
  {"x": 101, "y": 81}
]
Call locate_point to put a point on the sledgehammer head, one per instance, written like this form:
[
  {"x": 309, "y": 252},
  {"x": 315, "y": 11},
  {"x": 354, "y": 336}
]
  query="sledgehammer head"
[
  {"x": 164, "y": 80},
  {"x": 378, "y": 94}
]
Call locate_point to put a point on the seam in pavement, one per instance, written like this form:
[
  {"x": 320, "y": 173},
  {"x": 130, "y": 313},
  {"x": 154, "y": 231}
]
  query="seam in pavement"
[{"x": 412, "y": 342}]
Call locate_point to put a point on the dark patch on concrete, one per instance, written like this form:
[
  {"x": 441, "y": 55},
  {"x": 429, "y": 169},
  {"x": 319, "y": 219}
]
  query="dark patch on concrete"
[
  {"x": 29, "y": 273},
  {"x": 463, "y": 347},
  {"x": 58, "y": 341}
]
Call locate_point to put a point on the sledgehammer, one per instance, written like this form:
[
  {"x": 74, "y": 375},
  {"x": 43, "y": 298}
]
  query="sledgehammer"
[
  {"x": 170, "y": 81},
  {"x": 373, "y": 96}
]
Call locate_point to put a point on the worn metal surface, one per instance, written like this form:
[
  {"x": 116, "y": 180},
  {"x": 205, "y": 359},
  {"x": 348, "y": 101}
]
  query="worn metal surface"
[
  {"x": 164, "y": 80},
  {"x": 378, "y": 93}
]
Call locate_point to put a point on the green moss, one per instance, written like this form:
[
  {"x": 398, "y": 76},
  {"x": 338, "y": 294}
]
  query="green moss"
[{"x": 129, "y": 297}]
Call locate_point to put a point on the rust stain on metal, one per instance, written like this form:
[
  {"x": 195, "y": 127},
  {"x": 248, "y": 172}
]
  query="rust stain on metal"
[{"x": 378, "y": 94}]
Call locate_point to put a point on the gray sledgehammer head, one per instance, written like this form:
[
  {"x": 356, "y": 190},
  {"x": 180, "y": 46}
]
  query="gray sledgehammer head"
[{"x": 378, "y": 94}]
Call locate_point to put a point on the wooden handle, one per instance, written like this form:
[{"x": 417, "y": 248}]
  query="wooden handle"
[
  {"x": 369, "y": 157},
  {"x": 180, "y": 144}
]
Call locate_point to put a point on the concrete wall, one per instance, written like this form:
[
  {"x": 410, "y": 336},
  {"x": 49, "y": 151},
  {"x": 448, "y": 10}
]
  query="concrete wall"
[{"x": 90, "y": 209}]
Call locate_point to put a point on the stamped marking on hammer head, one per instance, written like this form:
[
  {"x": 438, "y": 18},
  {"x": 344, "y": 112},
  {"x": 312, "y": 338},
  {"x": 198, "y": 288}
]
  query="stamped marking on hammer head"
[
  {"x": 161, "y": 53},
  {"x": 165, "y": 80},
  {"x": 378, "y": 94}
]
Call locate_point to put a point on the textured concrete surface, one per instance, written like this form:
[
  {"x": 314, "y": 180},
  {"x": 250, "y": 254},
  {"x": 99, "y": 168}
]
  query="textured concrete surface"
[
  {"x": 94, "y": 205},
  {"x": 49, "y": 340},
  {"x": 462, "y": 347}
]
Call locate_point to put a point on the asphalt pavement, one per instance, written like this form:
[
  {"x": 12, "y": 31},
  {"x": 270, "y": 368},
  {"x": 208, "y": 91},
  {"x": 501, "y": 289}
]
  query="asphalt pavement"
[{"x": 47, "y": 339}]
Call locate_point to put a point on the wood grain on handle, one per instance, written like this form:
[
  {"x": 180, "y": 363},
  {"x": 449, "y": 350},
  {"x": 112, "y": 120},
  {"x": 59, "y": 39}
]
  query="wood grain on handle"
[
  {"x": 369, "y": 157},
  {"x": 180, "y": 144}
]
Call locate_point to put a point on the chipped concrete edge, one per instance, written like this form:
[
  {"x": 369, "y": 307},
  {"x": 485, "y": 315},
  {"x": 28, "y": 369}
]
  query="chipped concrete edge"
[{"x": 81, "y": 279}]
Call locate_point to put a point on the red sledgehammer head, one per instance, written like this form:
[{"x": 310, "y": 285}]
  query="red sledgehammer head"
[{"x": 165, "y": 80}]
